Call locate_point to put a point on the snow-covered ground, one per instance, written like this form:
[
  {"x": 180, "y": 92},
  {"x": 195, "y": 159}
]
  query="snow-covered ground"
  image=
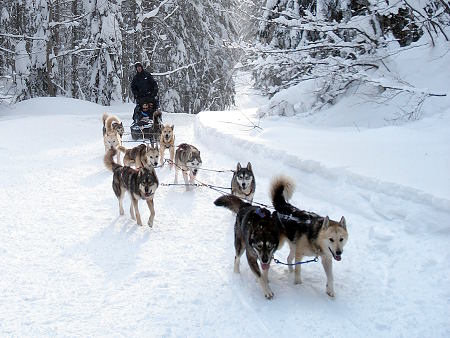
[{"x": 71, "y": 266}]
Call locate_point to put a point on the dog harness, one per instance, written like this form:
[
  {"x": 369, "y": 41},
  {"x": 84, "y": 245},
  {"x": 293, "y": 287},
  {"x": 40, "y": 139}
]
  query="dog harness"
[
  {"x": 287, "y": 218},
  {"x": 260, "y": 212},
  {"x": 164, "y": 142}
]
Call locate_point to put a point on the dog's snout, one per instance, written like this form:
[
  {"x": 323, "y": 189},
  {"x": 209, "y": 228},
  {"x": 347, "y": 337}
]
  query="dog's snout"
[{"x": 339, "y": 252}]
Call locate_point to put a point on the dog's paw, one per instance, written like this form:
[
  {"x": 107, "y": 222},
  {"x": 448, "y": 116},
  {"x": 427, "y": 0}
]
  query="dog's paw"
[
  {"x": 150, "y": 224},
  {"x": 268, "y": 294},
  {"x": 298, "y": 280},
  {"x": 330, "y": 292}
]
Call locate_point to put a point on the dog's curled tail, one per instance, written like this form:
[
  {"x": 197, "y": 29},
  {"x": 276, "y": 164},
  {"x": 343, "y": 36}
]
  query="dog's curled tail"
[
  {"x": 104, "y": 118},
  {"x": 109, "y": 161},
  {"x": 110, "y": 119},
  {"x": 281, "y": 190},
  {"x": 122, "y": 149},
  {"x": 231, "y": 202}
]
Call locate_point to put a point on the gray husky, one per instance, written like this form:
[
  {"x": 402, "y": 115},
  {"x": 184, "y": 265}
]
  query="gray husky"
[
  {"x": 243, "y": 183},
  {"x": 187, "y": 158},
  {"x": 307, "y": 233},
  {"x": 140, "y": 183},
  {"x": 140, "y": 156},
  {"x": 255, "y": 232}
]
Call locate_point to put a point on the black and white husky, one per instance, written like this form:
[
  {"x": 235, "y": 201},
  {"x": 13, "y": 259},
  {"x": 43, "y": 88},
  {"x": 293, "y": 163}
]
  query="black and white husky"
[
  {"x": 255, "y": 232},
  {"x": 243, "y": 183},
  {"x": 188, "y": 160},
  {"x": 307, "y": 233},
  {"x": 140, "y": 183}
]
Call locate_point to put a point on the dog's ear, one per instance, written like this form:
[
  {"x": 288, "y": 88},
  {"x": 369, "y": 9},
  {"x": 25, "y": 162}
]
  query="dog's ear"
[
  {"x": 172, "y": 126},
  {"x": 239, "y": 166},
  {"x": 343, "y": 223},
  {"x": 249, "y": 166},
  {"x": 326, "y": 223}
]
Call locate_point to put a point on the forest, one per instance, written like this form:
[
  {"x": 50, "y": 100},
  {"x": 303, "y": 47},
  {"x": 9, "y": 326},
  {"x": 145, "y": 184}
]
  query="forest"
[{"x": 87, "y": 49}]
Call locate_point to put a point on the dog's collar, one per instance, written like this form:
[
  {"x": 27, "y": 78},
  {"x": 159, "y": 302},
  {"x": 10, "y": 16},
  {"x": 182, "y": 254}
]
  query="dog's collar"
[
  {"x": 247, "y": 194},
  {"x": 165, "y": 143}
]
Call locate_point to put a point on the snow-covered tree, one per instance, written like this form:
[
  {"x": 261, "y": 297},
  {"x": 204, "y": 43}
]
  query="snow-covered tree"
[
  {"x": 105, "y": 40},
  {"x": 184, "y": 45},
  {"x": 338, "y": 44},
  {"x": 86, "y": 49}
]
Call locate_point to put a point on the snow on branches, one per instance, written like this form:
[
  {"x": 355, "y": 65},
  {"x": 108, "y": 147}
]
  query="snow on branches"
[{"x": 339, "y": 45}]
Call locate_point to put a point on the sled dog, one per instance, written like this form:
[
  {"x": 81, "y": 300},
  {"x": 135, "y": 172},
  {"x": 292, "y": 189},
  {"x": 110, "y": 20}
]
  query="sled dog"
[
  {"x": 112, "y": 133},
  {"x": 140, "y": 183},
  {"x": 111, "y": 122},
  {"x": 307, "y": 233},
  {"x": 156, "y": 128},
  {"x": 255, "y": 232},
  {"x": 243, "y": 182},
  {"x": 140, "y": 156},
  {"x": 167, "y": 141},
  {"x": 187, "y": 158}
]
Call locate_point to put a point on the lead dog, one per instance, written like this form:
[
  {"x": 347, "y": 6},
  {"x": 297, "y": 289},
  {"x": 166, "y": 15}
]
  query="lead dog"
[
  {"x": 307, "y": 233},
  {"x": 256, "y": 233},
  {"x": 188, "y": 160},
  {"x": 140, "y": 183},
  {"x": 140, "y": 156}
]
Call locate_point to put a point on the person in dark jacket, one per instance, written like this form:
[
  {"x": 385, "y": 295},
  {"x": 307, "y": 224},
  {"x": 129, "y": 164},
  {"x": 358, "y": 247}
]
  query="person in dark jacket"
[{"x": 144, "y": 86}]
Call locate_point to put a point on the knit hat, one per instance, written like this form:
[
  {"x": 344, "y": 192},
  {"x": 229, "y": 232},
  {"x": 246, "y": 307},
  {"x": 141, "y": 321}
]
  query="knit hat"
[{"x": 138, "y": 64}]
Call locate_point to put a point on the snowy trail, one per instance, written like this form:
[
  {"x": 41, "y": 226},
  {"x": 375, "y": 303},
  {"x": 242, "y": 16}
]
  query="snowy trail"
[
  {"x": 396, "y": 240},
  {"x": 72, "y": 267}
]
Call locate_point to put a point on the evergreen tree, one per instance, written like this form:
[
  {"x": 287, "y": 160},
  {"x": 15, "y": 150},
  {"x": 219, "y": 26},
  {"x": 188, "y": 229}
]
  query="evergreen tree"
[
  {"x": 105, "y": 41},
  {"x": 87, "y": 49},
  {"x": 336, "y": 43}
]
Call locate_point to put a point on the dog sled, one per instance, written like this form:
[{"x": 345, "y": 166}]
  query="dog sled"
[
  {"x": 147, "y": 129},
  {"x": 141, "y": 130}
]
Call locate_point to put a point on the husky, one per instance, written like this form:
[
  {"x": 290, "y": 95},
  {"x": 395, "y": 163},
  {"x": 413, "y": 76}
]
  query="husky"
[
  {"x": 140, "y": 183},
  {"x": 112, "y": 133},
  {"x": 140, "y": 156},
  {"x": 156, "y": 128},
  {"x": 187, "y": 158},
  {"x": 112, "y": 122},
  {"x": 243, "y": 183},
  {"x": 167, "y": 141},
  {"x": 307, "y": 233},
  {"x": 255, "y": 232}
]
